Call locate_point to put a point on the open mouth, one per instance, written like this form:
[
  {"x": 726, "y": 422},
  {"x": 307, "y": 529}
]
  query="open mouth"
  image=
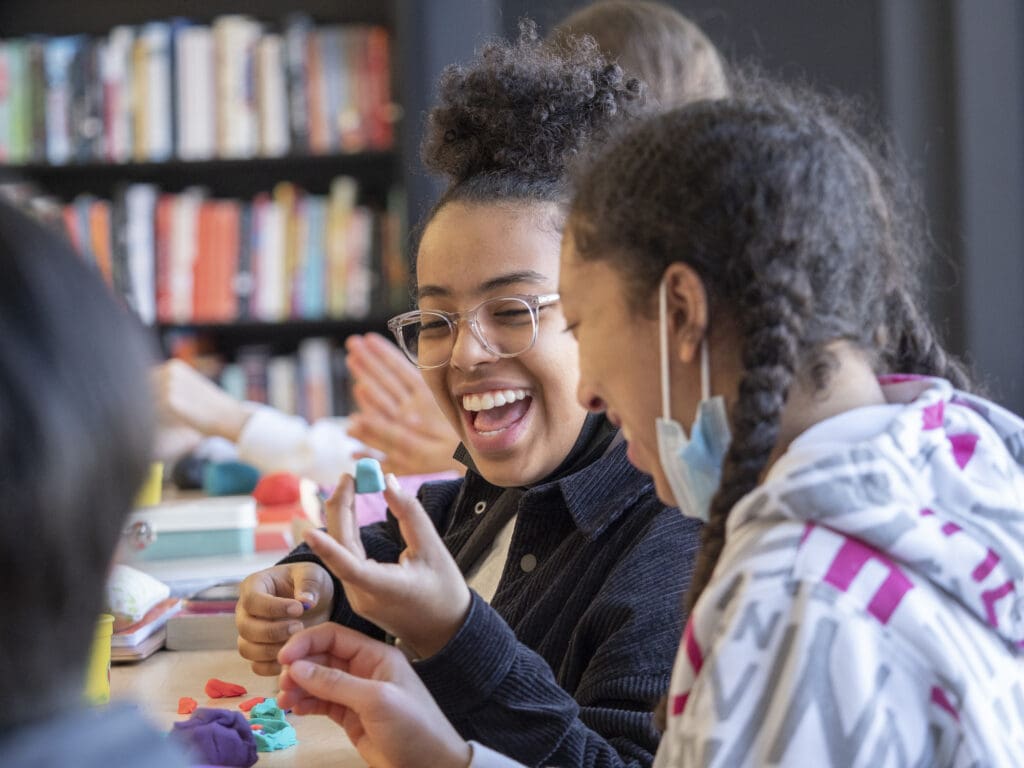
[{"x": 491, "y": 413}]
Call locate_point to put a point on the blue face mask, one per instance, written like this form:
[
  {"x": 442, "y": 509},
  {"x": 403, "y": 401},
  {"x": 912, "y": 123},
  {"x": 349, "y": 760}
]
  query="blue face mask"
[{"x": 692, "y": 465}]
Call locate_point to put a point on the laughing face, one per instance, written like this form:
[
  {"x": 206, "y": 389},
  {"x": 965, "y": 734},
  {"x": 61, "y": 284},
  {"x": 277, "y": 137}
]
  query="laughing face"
[{"x": 518, "y": 416}]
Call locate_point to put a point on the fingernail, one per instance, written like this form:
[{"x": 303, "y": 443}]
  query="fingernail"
[
  {"x": 392, "y": 482},
  {"x": 294, "y": 628},
  {"x": 308, "y": 600},
  {"x": 301, "y": 670}
]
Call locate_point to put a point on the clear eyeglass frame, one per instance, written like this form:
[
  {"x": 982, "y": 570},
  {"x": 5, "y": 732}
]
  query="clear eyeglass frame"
[{"x": 532, "y": 302}]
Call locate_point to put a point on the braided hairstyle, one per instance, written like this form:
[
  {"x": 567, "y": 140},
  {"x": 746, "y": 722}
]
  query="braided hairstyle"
[
  {"x": 797, "y": 227},
  {"x": 507, "y": 125}
]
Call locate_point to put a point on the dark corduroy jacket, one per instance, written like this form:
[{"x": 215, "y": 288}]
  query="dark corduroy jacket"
[{"x": 565, "y": 665}]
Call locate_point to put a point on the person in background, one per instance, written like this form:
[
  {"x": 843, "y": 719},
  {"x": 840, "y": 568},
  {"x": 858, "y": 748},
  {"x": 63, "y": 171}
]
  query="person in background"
[
  {"x": 396, "y": 420},
  {"x": 75, "y": 439},
  {"x": 654, "y": 42},
  {"x": 524, "y": 589},
  {"x": 856, "y": 601}
]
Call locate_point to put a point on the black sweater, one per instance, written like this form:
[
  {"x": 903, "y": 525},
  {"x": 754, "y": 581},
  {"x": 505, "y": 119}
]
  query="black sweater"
[{"x": 565, "y": 665}]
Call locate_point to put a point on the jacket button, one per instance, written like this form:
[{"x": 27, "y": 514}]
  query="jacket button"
[
  {"x": 528, "y": 563},
  {"x": 480, "y": 507}
]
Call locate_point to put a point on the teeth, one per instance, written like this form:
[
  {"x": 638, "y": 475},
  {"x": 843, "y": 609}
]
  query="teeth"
[{"x": 484, "y": 401}]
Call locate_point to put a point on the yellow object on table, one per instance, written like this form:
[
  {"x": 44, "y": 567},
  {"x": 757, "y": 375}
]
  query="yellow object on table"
[
  {"x": 151, "y": 492},
  {"x": 97, "y": 677}
]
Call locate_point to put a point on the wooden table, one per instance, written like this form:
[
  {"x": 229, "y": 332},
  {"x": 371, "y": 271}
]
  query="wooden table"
[{"x": 158, "y": 682}]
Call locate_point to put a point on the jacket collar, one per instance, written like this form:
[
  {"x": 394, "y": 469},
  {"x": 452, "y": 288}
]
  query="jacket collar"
[{"x": 594, "y": 496}]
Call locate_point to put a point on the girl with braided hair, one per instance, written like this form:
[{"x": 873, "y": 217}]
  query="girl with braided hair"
[
  {"x": 857, "y": 599},
  {"x": 741, "y": 278}
]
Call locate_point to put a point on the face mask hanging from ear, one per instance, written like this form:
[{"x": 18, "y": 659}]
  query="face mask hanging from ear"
[{"x": 692, "y": 465}]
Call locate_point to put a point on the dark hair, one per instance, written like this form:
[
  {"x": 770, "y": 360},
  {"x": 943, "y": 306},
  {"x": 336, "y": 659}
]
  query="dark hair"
[
  {"x": 507, "y": 125},
  {"x": 75, "y": 440},
  {"x": 654, "y": 42},
  {"x": 802, "y": 232}
]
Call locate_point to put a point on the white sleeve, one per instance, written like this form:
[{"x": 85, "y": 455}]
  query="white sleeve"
[
  {"x": 488, "y": 758},
  {"x": 274, "y": 441}
]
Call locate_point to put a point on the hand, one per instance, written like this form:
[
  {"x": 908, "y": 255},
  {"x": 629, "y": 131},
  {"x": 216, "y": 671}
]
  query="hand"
[
  {"x": 422, "y": 598},
  {"x": 397, "y": 414},
  {"x": 369, "y": 689},
  {"x": 185, "y": 396},
  {"x": 271, "y": 608}
]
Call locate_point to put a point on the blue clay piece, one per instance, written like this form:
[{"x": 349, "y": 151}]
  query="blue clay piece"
[
  {"x": 229, "y": 478},
  {"x": 275, "y": 734},
  {"x": 369, "y": 478},
  {"x": 267, "y": 709}
]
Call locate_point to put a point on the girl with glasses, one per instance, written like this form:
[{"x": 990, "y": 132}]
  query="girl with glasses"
[
  {"x": 524, "y": 591},
  {"x": 742, "y": 280}
]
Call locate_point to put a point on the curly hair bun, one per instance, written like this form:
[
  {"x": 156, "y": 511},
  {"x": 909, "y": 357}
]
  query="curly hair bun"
[{"x": 524, "y": 108}]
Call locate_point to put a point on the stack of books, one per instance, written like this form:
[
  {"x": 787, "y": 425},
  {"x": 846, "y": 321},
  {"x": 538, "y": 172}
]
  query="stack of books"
[{"x": 141, "y": 639}]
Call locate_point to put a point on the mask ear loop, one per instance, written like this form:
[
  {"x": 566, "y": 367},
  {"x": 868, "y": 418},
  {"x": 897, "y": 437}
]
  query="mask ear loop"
[
  {"x": 663, "y": 340},
  {"x": 705, "y": 370}
]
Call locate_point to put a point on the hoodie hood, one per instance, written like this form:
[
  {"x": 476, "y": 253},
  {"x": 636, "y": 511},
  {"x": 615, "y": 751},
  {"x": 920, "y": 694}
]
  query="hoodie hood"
[{"x": 934, "y": 481}]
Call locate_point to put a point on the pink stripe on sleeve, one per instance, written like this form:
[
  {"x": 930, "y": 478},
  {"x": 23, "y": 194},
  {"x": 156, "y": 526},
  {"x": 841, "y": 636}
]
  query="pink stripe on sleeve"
[{"x": 986, "y": 566}]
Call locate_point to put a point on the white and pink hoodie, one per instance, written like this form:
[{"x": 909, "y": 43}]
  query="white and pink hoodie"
[{"x": 868, "y": 607}]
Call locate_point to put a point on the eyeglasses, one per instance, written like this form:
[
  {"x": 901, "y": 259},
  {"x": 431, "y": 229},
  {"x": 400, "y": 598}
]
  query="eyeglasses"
[{"x": 506, "y": 326}]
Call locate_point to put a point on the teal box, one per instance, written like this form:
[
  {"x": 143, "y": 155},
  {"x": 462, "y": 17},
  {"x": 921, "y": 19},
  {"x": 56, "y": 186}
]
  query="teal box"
[{"x": 203, "y": 527}]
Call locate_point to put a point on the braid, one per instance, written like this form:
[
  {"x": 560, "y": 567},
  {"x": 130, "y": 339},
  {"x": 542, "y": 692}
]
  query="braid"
[
  {"x": 914, "y": 348},
  {"x": 771, "y": 313},
  {"x": 804, "y": 236}
]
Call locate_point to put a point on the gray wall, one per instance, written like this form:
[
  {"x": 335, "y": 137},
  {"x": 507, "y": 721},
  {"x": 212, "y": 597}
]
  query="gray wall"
[{"x": 947, "y": 76}]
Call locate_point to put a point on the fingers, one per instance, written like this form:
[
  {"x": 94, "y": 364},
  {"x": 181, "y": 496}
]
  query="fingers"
[
  {"x": 415, "y": 525},
  {"x": 371, "y": 364},
  {"x": 262, "y": 632},
  {"x": 335, "y": 641},
  {"x": 398, "y": 365},
  {"x": 265, "y": 668},
  {"x": 341, "y": 562},
  {"x": 339, "y": 512},
  {"x": 376, "y": 430},
  {"x": 333, "y": 685},
  {"x": 267, "y": 594}
]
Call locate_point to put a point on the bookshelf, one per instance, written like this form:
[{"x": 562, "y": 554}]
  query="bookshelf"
[{"x": 388, "y": 183}]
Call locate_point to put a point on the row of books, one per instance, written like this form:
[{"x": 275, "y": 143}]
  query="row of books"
[
  {"x": 234, "y": 88},
  {"x": 286, "y": 255},
  {"x": 313, "y": 383}
]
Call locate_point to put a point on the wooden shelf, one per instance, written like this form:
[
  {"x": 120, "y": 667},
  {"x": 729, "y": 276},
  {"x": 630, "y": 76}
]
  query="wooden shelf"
[
  {"x": 241, "y": 177},
  {"x": 281, "y": 337}
]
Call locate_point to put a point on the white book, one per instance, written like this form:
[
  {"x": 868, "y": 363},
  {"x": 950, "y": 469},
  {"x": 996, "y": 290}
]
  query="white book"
[
  {"x": 116, "y": 69},
  {"x": 140, "y": 201},
  {"x": 282, "y": 384},
  {"x": 197, "y": 105},
  {"x": 235, "y": 39},
  {"x": 183, "y": 250},
  {"x": 272, "y": 96},
  {"x": 270, "y": 267},
  {"x": 157, "y": 39}
]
